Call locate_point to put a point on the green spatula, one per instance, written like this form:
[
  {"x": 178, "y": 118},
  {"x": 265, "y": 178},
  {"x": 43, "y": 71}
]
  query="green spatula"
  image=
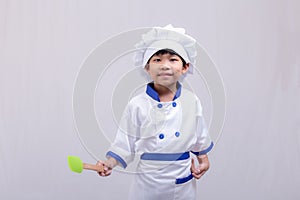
[{"x": 76, "y": 165}]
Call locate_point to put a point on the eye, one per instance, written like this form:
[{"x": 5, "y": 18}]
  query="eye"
[
  {"x": 174, "y": 59},
  {"x": 156, "y": 60}
]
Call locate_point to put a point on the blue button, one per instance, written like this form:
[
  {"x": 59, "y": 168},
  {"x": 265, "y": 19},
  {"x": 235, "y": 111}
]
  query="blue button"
[
  {"x": 174, "y": 104},
  {"x": 161, "y": 136},
  {"x": 159, "y": 105},
  {"x": 177, "y": 134}
]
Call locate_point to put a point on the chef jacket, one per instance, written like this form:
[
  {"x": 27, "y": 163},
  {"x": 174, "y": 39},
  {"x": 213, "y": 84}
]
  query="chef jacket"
[{"x": 163, "y": 134}]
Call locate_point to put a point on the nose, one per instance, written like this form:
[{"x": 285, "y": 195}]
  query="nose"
[{"x": 165, "y": 65}]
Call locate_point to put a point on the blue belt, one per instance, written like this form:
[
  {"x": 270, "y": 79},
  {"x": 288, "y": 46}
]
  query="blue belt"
[{"x": 165, "y": 156}]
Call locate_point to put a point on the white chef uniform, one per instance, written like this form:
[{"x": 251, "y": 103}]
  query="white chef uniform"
[{"x": 163, "y": 134}]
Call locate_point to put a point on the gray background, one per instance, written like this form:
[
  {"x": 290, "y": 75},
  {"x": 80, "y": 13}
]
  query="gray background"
[{"x": 255, "y": 45}]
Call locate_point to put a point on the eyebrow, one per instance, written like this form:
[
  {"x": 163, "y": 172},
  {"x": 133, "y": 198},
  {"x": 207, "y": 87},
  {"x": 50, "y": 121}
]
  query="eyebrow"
[{"x": 159, "y": 55}]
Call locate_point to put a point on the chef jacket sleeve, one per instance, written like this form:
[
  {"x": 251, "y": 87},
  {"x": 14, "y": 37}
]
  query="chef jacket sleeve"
[
  {"x": 123, "y": 147},
  {"x": 204, "y": 143}
]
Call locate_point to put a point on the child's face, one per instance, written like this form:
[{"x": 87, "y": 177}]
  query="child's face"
[{"x": 166, "y": 69}]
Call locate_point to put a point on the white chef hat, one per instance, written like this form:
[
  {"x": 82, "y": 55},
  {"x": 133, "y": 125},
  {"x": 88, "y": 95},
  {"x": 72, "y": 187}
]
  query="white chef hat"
[{"x": 167, "y": 37}]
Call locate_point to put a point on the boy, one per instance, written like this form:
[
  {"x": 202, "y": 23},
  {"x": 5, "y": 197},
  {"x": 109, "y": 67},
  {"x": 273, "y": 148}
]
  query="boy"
[{"x": 164, "y": 124}]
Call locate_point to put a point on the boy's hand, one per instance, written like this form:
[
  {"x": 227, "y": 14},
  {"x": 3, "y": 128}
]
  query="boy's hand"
[
  {"x": 203, "y": 166},
  {"x": 106, "y": 169},
  {"x": 108, "y": 165}
]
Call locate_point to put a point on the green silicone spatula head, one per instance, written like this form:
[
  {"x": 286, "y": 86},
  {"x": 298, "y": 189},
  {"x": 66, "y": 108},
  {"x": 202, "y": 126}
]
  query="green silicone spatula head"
[{"x": 75, "y": 164}]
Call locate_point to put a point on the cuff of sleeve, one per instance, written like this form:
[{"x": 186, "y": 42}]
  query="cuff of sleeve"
[
  {"x": 117, "y": 157},
  {"x": 205, "y": 151}
]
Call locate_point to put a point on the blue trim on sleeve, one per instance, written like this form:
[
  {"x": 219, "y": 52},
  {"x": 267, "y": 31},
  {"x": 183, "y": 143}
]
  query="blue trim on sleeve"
[
  {"x": 205, "y": 151},
  {"x": 183, "y": 180},
  {"x": 117, "y": 157}
]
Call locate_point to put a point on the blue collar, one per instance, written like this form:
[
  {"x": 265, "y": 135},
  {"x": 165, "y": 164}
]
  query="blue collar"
[{"x": 154, "y": 95}]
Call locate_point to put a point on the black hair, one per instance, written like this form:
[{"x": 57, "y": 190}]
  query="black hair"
[{"x": 167, "y": 51}]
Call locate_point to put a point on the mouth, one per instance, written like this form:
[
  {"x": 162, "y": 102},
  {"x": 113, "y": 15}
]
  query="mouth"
[{"x": 165, "y": 74}]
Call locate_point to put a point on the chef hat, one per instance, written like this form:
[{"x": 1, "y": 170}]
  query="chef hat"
[{"x": 167, "y": 37}]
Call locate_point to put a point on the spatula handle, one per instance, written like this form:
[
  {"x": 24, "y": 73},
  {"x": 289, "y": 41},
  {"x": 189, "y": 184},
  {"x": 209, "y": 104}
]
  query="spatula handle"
[{"x": 93, "y": 167}]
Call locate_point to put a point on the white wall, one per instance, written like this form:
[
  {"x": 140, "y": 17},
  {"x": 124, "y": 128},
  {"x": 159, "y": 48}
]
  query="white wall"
[{"x": 255, "y": 45}]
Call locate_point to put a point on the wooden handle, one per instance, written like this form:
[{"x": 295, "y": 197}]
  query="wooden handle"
[{"x": 93, "y": 167}]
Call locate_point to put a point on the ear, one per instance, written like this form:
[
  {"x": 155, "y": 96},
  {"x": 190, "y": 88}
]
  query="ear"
[
  {"x": 146, "y": 67},
  {"x": 185, "y": 68}
]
